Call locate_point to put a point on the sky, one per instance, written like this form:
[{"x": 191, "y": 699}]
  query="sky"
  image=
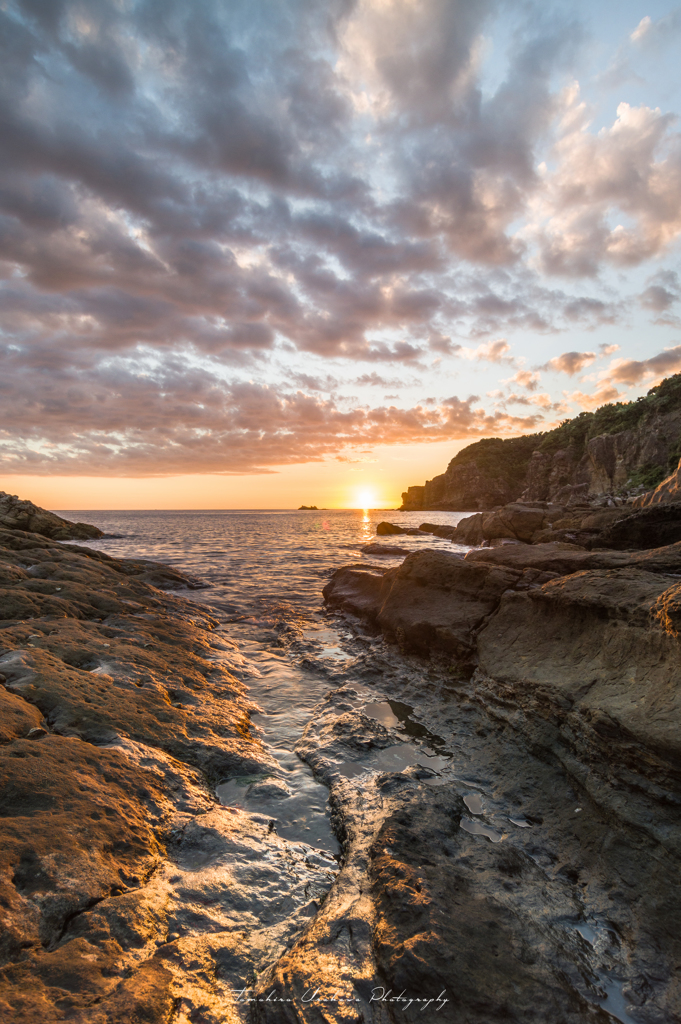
[{"x": 277, "y": 252}]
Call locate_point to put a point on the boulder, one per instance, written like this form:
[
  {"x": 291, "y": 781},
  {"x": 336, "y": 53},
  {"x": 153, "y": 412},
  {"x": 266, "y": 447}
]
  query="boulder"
[
  {"x": 469, "y": 531},
  {"x": 356, "y": 589},
  {"x": 435, "y": 601},
  {"x": 385, "y": 529},
  {"x": 17, "y": 514},
  {"x": 438, "y": 530},
  {"x": 385, "y": 550},
  {"x": 650, "y": 527}
]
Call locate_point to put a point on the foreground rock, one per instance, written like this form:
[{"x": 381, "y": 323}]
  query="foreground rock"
[
  {"x": 127, "y": 892},
  {"x": 573, "y": 656},
  {"x": 433, "y": 601},
  {"x": 16, "y": 514}
]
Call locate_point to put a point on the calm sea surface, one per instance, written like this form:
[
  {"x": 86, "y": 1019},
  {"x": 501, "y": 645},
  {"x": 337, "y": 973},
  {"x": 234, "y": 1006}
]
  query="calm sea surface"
[
  {"x": 265, "y": 571},
  {"x": 259, "y": 558}
]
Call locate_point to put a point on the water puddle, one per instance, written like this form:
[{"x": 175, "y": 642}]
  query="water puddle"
[
  {"x": 520, "y": 822},
  {"x": 335, "y": 653},
  {"x": 293, "y": 800},
  {"x": 609, "y": 992},
  {"x": 477, "y": 828},
  {"x": 330, "y": 641},
  {"x": 393, "y": 714},
  {"x": 473, "y": 802},
  {"x": 296, "y": 807}
]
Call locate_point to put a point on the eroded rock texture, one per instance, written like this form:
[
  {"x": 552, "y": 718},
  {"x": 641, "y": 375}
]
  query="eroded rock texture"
[
  {"x": 575, "y": 694},
  {"x": 18, "y": 514},
  {"x": 127, "y": 893}
]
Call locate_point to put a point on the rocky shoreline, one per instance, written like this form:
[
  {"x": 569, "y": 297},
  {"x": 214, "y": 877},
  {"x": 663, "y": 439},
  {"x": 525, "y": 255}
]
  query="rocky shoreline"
[
  {"x": 127, "y": 892},
  {"x": 502, "y": 753},
  {"x": 573, "y": 656}
]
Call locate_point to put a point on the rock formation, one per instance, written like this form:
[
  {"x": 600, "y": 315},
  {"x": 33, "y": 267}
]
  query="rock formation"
[
  {"x": 623, "y": 448},
  {"x": 121, "y": 876},
  {"x": 542, "y": 522},
  {"x": 574, "y": 657},
  {"x": 16, "y": 514}
]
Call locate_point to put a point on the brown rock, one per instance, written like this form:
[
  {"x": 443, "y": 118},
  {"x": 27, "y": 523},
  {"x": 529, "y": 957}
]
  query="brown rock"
[
  {"x": 433, "y": 601},
  {"x": 16, "y": 514},
  {"x": 385, "y": 529},
  {"x": 602, "y": 640}
]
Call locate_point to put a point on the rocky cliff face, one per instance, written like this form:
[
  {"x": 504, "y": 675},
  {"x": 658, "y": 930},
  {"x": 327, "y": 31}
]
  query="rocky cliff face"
[
  {"x": 608, "y": 464},
  {"x": 620, "y": 449}
]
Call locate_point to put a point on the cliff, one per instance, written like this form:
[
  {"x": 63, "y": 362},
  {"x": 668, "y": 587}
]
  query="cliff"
[{"x": 624, "y": 448}]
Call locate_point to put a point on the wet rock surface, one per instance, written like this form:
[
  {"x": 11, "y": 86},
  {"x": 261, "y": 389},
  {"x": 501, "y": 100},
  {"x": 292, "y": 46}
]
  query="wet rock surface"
[
  {"x": 127, "y": 891},
  {"x": 506, "y": 806},
  {"x": 554, "y": 897}
]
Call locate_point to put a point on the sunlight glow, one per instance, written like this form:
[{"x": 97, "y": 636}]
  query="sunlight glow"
[{"x": 366, "y": 499}]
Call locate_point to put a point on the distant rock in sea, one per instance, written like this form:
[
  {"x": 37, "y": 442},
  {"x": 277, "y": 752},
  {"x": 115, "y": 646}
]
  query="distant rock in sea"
[{"x": 308, "y": 508}]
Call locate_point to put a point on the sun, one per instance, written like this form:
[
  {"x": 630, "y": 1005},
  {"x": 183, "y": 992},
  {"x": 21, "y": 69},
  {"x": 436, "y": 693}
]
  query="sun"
[{"x": 366, "y": 499}]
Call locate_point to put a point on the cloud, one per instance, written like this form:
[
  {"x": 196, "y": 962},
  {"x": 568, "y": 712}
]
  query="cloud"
[
  {"x": 527, "y": 379},
  {"x": 184, "y": 420},
  {"x": 664, "y": 289},
  {"x": 605, "y": 394},
  {"x": 631, "y": 171},
  {"x": 570, "y": 362},
  {"x": 489, "y": 352},
  {"x": 213, "y": 212},
  {"x": 632, "y": 371}
]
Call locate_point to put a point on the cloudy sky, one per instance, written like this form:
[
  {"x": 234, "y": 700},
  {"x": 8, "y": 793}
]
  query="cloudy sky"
[{"x": 253, "y": 247}]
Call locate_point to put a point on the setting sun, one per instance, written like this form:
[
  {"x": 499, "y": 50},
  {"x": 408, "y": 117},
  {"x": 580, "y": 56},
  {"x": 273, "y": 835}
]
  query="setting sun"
[{"x": 366, "y": 499}]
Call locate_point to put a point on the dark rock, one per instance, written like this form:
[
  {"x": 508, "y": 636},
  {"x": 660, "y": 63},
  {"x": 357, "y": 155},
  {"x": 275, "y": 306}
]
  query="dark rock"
[
  {"x": 570, "y": 558},
  {"x": 438, "y": 530},
  {"x": 16, "y": 514},
  {"x": 385, "y": 529},
  {"x": 651, "y": 527},
  {"x": 389, "y": 550},
  {"x": 433, "y": 601},
  {"x": 356, "y": 589}
]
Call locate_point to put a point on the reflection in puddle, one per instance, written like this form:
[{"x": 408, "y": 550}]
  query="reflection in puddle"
[
  {"x": 381, "y": 712},
  {"x": 394, "y": 759},
  {"x": 336, "y": 653},
  {"x": 476, "y": 828},
  {"x": 473, "y": 802},
  {"x": 350, "y": 770},
  {"x": 328, "y": 636},
  {"x": 394, "y": 714},
  {"x": 299, "y": 816},
  {"x": 611, "y": 997}
]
